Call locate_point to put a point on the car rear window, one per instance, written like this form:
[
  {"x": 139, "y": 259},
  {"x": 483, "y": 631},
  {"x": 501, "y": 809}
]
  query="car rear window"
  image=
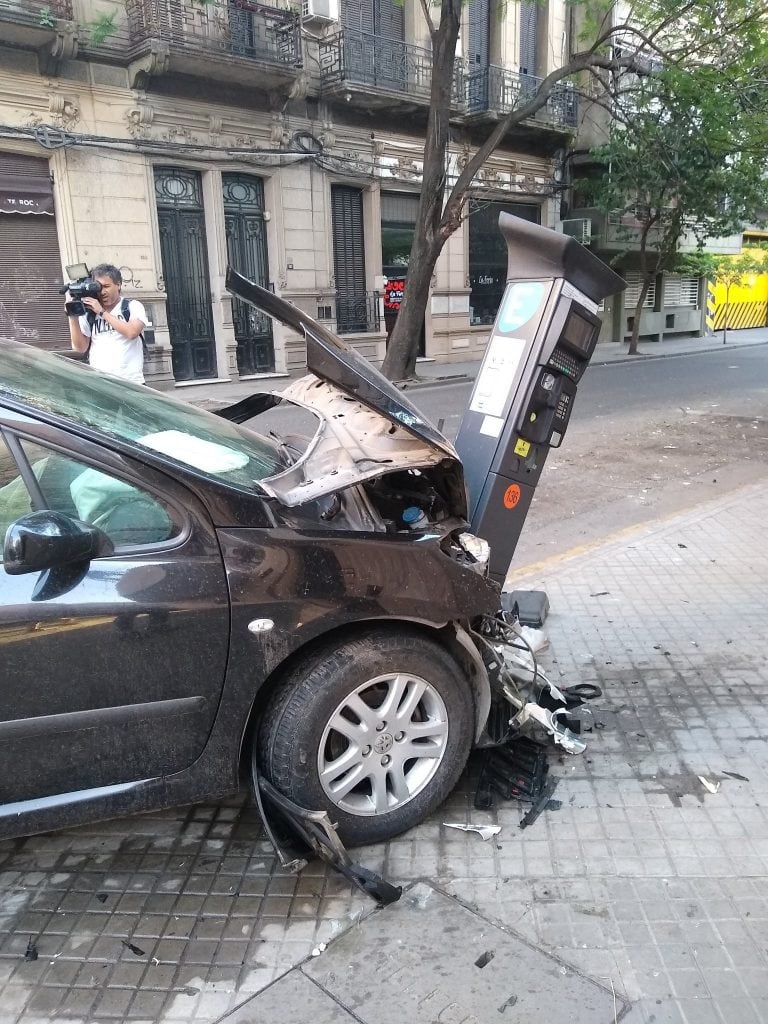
[{"x": 179, "y": 433}]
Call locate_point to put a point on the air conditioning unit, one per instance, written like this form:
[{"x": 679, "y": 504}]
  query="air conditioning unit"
[
  {"x": 579, "y": 228},
  {"x": 320, "y": 12}
]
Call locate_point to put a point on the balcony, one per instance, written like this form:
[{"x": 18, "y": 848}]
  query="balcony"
[
  {"x": 381, "y": 73},
  {"x": 31, "y": 24},
  {"x": 235, "y": 41},
  {"x": 493, "y": 91}
]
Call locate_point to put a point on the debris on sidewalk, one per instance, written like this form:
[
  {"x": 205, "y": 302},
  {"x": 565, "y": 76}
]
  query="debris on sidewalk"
[
  {"x": 529, "y": 607},
  {"x": 545, "y": 802},
  {"x": 485, "y": 832},
  {"x": 711, "y": 787},
  {"x": 514, "y": 771},
  {"x": 31, "y": 951},
  {"x": 136, "y": 950},
  {"x": 517, "y": 771},
  {"x": 317, "y": 834}
]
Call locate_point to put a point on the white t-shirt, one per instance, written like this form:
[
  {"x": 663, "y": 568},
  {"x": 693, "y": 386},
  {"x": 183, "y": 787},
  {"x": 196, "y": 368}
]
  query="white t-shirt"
[{"x": 110, "y": 351}]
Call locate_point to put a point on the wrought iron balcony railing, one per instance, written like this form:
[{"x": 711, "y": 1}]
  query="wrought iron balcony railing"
[
  {"x": 357, "y": 313},
  {"x": 365, "y": 59},
  {"x": 498, "y": 90},
  {"x": 241, "y": 28},
  {"x": 35, "y": 13}
]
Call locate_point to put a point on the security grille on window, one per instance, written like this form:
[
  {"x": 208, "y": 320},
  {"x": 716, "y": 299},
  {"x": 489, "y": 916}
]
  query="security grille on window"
[
  {"x": 632, "y": 293},
  {"x": 681, "y": 291}
]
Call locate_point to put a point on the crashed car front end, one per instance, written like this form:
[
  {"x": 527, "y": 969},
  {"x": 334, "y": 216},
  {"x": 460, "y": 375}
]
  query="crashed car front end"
[{"x": 374, "y": 465}]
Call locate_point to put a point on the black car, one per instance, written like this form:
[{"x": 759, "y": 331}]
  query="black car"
[{"x": 181, "y": 594}]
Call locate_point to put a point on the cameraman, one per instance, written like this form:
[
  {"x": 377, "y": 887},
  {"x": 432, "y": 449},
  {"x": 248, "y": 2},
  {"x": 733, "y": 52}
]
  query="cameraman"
[{"x": 112, "y": 339}]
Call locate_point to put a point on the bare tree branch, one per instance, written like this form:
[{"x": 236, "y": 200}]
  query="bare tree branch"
[
  {"x": 428, "y": 18},
  {"x": 581, "y": 62}
]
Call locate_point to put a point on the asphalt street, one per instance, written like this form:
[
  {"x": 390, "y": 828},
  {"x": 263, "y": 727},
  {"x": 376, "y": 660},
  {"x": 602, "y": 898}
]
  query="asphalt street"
[
  {"x": 733, "y": 381},
  {"x": 646, "y": 439}
]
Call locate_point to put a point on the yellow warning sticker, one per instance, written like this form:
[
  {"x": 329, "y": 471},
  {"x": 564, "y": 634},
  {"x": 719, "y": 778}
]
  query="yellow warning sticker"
[{"x": 522, "y": 447}]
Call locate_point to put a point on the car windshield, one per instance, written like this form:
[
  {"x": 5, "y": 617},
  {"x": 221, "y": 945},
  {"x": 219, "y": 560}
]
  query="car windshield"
[{"x": 180, "y": 433}]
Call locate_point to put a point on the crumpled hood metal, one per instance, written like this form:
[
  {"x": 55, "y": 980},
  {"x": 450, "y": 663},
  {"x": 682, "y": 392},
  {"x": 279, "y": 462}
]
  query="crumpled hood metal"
[
  {"x": 353, "y": 444},
  {"x": 332, "y": 360}
]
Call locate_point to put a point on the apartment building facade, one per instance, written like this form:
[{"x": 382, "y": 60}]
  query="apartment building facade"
[{"x": 171, "y": 137}]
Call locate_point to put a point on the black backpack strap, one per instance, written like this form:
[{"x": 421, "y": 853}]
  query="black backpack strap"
[{"x": 125, "y": 309}]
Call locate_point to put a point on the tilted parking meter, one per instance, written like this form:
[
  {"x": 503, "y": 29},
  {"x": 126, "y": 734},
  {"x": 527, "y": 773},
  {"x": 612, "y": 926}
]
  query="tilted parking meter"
[{"x": 543, "y": 338}]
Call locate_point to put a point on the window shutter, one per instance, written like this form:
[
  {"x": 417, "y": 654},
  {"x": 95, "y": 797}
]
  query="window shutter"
[
  {"x": 31, "y": 309},
  {"x": 399, "y": 206},
  {"x": 528, "y": 24},
  {"x": 478, "y": 22},
  {"x": 348, "y": 257},
  {"x": 390, "y": 21},
  {"x": 348, "y": 240},
  {"x": 378, "y": 17}
]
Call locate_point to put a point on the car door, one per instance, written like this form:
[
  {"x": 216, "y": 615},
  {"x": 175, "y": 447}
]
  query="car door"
[{"x": 110, "y": 672}]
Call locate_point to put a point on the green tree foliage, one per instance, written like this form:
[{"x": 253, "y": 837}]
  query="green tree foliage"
[
  {"x": 101, "y": 28},
  {"x": 46, "y": 18},
  {"x": 695, "y": 41},
  {"x": 686, "y": 161}
]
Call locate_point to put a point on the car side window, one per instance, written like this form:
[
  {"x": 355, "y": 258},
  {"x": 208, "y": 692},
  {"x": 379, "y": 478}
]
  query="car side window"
[
  {"x": 129, "y": 515},
  {"x": 15, "y": 499}
]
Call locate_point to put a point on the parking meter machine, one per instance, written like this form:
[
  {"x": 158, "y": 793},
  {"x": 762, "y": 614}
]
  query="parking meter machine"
[{"x": 543, "y": 338}]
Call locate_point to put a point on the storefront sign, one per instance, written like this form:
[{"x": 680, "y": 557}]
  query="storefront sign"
[
  {"x": 25, "y": 195},
  {"x": 393, "y": 294}
]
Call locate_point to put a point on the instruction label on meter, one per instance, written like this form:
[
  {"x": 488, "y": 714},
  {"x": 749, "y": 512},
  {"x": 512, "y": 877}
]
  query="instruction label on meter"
[{"x": 495, "y": 380}]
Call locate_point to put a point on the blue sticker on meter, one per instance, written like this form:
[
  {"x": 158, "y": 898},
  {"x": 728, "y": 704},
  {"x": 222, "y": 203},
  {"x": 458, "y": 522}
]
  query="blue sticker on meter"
[{"x": 520, "y": 304}]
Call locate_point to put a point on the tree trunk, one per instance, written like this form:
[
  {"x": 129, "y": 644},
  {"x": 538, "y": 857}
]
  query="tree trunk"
[
  {"x": 403, "y": 345},
  {"x": 635, "y": 338},
  {"x": 429, "y": 239}
]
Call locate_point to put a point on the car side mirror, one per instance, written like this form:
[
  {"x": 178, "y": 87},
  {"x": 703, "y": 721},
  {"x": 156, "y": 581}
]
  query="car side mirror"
[{"x": 48, "y": 540}]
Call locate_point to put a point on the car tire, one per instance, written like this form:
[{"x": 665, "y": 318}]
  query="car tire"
[{"x": 375, "y": 730}]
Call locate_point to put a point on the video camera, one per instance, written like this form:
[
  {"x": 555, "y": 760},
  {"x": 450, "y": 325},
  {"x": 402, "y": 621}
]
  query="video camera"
[{"x": 80, "y": 287}]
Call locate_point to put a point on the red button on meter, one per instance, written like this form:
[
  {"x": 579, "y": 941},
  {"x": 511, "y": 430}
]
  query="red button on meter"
[{"x": 512, "y": 496}]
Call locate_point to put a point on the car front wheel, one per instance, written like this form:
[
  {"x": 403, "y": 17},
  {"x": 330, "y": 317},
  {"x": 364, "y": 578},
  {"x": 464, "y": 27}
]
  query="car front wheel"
[{"x": 375, "y": 730}]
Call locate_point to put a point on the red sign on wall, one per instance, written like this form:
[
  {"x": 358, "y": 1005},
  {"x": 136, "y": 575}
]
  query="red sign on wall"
[{"x": 393, "y": 293}]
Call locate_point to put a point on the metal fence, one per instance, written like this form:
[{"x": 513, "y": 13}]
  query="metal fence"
[{"x": 356, "y": 314}]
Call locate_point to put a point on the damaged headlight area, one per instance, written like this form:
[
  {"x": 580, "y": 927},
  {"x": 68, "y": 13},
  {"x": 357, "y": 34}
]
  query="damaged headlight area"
[
  {"x": 477, "y": 550},
  {"x": 523, "y": 696}
]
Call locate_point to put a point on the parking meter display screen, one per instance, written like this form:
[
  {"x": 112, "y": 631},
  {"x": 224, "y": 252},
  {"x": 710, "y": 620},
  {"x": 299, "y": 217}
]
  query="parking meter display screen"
[{"x": 578, "y": 334}]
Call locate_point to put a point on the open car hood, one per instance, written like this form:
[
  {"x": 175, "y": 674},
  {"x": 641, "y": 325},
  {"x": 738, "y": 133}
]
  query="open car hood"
[{"x": 338, "y": 364}]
